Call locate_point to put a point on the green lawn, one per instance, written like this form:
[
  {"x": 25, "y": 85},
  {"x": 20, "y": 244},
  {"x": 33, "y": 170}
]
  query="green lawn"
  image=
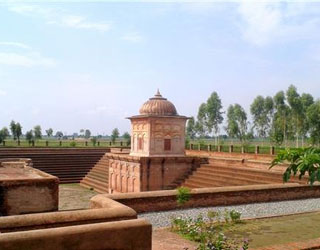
[{"x": 278, "y": 230}]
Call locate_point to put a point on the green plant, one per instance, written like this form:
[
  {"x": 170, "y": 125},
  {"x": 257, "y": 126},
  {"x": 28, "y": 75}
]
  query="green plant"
[
  {"x": 235, "y": 216},
  {"x": 226, "y": 216},
  {"x": 73, "y": 144},
  {"x": 183, "y": 195},
  {"x": 94, "y": 141},
  {"x": 209, "y": 235},
  {"x": 301, "y": 161}
]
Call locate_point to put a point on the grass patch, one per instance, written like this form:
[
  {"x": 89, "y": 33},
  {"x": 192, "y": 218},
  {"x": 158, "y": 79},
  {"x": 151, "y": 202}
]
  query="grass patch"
[
  {"x": 278, "y": 230},
  {"x": 259, "y": 232}
]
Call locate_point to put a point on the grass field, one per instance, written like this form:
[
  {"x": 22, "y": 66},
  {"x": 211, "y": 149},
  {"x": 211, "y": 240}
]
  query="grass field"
[
  {"x": 278, "y": 230},
  {"x": 63, "y": 143}
]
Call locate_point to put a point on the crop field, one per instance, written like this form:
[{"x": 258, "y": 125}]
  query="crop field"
[{"x": 63, "y": 143}]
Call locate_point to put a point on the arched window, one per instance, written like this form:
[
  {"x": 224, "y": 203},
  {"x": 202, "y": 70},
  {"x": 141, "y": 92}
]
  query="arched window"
[
  {"x": 167, "y": 144},
  {"x": 140, "y": 143}
]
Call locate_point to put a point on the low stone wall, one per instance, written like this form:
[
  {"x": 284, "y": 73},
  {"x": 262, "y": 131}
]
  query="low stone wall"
[
  {"x": 127, "y": 234},
  {"x": 110, "y": 225},
  {"x": 24, "y": 189},
  {"x": 206, "y": 197},
  {"x": 109, "y": 211}
]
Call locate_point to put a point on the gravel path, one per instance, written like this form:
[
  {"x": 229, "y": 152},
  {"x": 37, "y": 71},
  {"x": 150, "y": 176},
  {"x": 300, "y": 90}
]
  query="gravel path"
[{"x": 162, "y": 219}]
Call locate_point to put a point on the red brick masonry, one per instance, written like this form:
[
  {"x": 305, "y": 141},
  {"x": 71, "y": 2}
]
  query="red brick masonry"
[{"x": 219, "y": 196}]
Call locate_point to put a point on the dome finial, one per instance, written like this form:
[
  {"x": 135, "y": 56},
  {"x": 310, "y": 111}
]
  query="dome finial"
[{"x": 158, "y": 93}]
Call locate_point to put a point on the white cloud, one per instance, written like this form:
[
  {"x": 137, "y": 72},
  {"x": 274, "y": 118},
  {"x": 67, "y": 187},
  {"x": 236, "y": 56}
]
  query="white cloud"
[
  {"x": 15, "y": 44},
  {"x": 2, "y": 92},
  {"x": 202, "y": 7},
  {"x": 134, "y": 37},
  {"x": 59, "y": 17},
  {"x": 80, "y": 22},
  {"x": 262, "y": 23},
  {"x": 25, "y": 60}
]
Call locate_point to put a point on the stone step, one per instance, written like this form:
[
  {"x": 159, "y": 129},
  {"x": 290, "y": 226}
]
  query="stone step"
[
  {"x": 201, "y": 184},
  {"x": 194, "y": 178},
  {"x": 95, "y": 182},
  {"x": 251, "y": 171},
  {"x": 236, "y": 169},
  {"x": 98, "y": 186},
  {"x": 236, "y": 178},
  {"x": 249, "y": 175},
  {"x": 103, "y": 178}
]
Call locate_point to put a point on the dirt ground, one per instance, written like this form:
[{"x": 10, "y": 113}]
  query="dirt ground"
[
  {"x": 73, "y": 196},
  {"x": 163, "y": 239}
]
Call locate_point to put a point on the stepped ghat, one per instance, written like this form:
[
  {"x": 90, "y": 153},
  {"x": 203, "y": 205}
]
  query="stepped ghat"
[
  {"x": 158, "y": 160},
  {"x": 70, "y": 165}
]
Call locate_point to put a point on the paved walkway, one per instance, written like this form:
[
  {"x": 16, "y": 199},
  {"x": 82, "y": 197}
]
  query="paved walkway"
[{"x": 163, "y": 219}]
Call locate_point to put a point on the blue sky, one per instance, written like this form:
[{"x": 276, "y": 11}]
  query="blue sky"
[{"x": 89, "y": 65}]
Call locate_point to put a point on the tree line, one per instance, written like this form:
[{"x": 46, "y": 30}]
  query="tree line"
[
  {"x": 286, "y": 116},
  {"x": 36, "y": 133}
]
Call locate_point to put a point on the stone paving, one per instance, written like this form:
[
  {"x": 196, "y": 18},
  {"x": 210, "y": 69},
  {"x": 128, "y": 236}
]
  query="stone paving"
[
  {"x": 163, "y": 219},
  {"x": 73, "y": 196}
]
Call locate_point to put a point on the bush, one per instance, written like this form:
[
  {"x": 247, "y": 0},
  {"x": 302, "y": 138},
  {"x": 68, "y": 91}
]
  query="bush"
[
  {"x": 208, "y": 231},
  {"x": 94, "y": 141},
  {"x": 183, "y": 195},
  {"x": 73, "y": 144},
  {"x": 235, "y": 216}
]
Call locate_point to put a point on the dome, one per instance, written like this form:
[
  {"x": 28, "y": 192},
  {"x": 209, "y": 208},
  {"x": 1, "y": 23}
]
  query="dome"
[{"x": 158, "y": 105}]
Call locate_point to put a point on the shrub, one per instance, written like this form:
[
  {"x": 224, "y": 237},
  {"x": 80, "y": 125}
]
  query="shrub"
[
  {"x": 209, "y": 234},
  {"x": 183, "y": 195},
  {"x": 235, "y": 216},
  {"x": 73, "y": 144},
  {"x": 94, "y": 141}
]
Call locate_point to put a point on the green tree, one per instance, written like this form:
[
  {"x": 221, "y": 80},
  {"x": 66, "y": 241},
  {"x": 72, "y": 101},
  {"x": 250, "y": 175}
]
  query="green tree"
[
  {"x": 13, "y": 129},
  {"x": 59, "y": 135},
  {"x": 259, "y": 116},
  {"x": 126, "y": 136},
  {"x": 18, "y": 130},
  {"x": 202, "y": 120},
  {"x": 87, "y": 133},
  {"x": 114, "y": 135},
  {"x": 214, "y": 114},
  {"x": 37, "y": 132},
  {"x": 237, "y": 124},
  {"x": 191, "y": 128},
  {"x": 313, "y": 116},
  {"x": 280, "y": 124},
  {"x": 307, "y": 101},
  {"x": 94, "y": 140},
  {"x": 262, "y": 113},
  {"x": 49, "y": 132},
  {"x": 82, "y": 132},
  {"x": 29, "y": 136},
  {"x": 4, "y": 133},
  {"x": 295, "y": 104}
]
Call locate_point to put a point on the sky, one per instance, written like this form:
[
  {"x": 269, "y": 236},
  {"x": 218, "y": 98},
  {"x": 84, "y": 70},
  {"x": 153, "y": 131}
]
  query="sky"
[{"x": 72, "y": 65}]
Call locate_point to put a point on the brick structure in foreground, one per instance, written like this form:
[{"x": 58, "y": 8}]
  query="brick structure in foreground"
[
  {"x": 24, "y": 189},
  {"x": 136, "y": 174}
]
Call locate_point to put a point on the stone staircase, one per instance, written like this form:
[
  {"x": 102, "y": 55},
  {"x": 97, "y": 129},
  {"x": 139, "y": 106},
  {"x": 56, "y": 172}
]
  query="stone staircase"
[
  {"x": 220, "y": 172},
  {"x": 69, "y": 165},
  {"x": 98, "y": 177}
]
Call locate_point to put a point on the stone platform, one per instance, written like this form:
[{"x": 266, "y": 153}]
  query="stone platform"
[
  {"x": 136, "y": 174},
  {"x": 24, "y": 189}
]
